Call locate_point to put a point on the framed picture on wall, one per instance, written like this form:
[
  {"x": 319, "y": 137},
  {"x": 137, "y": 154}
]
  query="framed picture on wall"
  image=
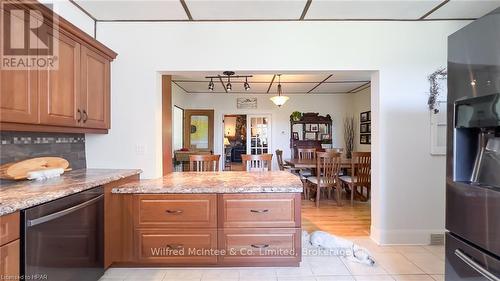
[
  {"x": 363, "y": 128},
  {"x": 364, "y": 139},
  {"x": 295, "y": 135},
  {"x": 364, "y": 116}
]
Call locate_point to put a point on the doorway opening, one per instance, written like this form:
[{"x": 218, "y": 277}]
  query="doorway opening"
[{"x": 245, "y": 134}]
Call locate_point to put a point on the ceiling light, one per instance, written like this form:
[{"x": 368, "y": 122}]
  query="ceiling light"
[
  {"x": 229, "y": 87},
  {"x": 211, "y": 84},
  {"x": 279, "y": 100},
  {"x": 246, "y": 85}
]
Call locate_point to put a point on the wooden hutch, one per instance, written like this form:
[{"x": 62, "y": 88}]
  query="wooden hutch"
[{"x": 310, "y": 132}]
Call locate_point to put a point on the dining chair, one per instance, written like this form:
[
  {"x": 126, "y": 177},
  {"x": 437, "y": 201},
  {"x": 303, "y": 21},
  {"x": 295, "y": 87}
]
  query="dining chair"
[
  {"x": 327, "y": 175},
  {"x": 361, "y": 174},
  {"x": 281, "y": 164},
  {"x": 306, "y": 153},
  {"x": 204, "y": 163},
  {"x": 257, "y": 163}
]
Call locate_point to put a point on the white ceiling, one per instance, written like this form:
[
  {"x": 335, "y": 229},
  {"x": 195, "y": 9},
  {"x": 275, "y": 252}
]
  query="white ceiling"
[
  {"x": 226, "y": 10},
  {"x": 319, "y": 83}
]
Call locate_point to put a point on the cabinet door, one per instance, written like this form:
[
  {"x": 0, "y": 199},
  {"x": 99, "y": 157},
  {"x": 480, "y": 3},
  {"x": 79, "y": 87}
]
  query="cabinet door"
[
  {"x": 60, "y": 87},
  {"x": 9, "y": 260},
  {"x": 19, "y": 92},
  {"x": 95, "y": 89}
]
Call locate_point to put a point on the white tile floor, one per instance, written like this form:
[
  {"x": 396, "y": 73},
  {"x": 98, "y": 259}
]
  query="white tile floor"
[{"x": 396, "y": 263}]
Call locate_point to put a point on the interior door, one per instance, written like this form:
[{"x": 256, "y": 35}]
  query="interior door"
[
  {"x": 258, "y": 134},
  {"x": 199, "y": 129},
  {"x": 95, "y": 89}
]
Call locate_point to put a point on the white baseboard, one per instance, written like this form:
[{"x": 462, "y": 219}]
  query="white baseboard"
[{"x": 402, "y": 236}]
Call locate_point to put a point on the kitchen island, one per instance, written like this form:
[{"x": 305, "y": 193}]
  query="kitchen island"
[{"x": 207, "y": 218}]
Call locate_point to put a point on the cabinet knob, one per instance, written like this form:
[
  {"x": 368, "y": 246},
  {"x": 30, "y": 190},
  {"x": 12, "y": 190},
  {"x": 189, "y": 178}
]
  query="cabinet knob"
[
  {"x": 85, "y": 116},
  {"x": 79, "y": 115}
]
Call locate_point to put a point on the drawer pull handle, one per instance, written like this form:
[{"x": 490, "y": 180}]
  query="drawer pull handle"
[
  {"x": 476, "y": 266},
  {"x": 261, "y": 246},
  {"x": 174, "y": 211},
  {"x": 175, "y": 246},
  {"x": 259, "y": 211}
]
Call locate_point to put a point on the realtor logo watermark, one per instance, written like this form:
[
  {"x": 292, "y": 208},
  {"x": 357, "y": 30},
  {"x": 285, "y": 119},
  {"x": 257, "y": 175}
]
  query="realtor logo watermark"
[{"x": 29, "y": 37}]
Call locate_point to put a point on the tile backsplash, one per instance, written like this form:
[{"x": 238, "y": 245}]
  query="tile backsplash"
[{"x": 15, "y": 146}]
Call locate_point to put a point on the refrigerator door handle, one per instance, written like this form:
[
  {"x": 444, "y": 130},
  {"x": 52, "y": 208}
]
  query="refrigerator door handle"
[
  {"x": 59, "y": 214},
  {"x": 477, "y": 267}
]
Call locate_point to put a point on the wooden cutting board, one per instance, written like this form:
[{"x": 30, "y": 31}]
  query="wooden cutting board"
[{"x": 19, "y": 170}]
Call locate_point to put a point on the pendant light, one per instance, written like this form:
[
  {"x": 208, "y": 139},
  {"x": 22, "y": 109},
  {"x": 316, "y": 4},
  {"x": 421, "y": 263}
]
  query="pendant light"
[{"x": 279, "y": 100}]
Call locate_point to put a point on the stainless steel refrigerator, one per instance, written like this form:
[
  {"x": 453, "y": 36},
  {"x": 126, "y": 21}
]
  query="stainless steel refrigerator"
[{"x": 473, "y": 152}]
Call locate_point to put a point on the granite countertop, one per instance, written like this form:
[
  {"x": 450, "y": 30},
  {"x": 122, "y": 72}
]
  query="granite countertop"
[
  {"x": 216, "y": 182},
  {"x": 18, "y": 195}
]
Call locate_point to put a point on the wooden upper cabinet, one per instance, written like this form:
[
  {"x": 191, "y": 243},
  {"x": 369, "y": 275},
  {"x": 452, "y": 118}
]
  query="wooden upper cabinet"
[
  {"x": 60, "y": 87},
  {"x": 73, "y": 96},
  {"x": 95, "y": 89},
  {"x": 19, "y": 92}
]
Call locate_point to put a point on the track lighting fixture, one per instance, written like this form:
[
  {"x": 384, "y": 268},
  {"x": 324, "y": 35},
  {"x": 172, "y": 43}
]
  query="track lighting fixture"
[
  {"x": 228, "y": 86},
  {"x": 246, "y": 85},
  {"x": 211, "y": 84}
]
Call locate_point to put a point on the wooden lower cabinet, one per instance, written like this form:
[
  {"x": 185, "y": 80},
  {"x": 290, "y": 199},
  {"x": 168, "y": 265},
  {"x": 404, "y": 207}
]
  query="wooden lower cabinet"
[
  {"x": 260, "y": 246},
  {"x": 207, "y": 229},
  {"x": 9, "y": 261},
  {"x": 9, "y": 246},
  {"x": 176, "y": 246}
]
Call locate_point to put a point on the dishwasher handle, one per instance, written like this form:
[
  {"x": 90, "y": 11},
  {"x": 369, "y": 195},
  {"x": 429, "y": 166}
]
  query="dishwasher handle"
[
  {"x": 477, "y": 267},
  {"x": 64, "y": 212}
]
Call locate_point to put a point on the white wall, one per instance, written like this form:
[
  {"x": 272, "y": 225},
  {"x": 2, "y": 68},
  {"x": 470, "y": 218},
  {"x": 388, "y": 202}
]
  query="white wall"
[
  {"x": 74, "y": 15},
  {"x": 361, "y": 102},
  {"x": 407, "y": 183},
  {"x": 336, "y": 105}
]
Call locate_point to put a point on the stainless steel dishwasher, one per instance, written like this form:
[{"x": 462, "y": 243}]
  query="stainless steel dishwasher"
[{"x": 64, "y": 239}]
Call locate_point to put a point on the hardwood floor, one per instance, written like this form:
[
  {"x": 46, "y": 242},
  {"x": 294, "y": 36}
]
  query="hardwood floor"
[{"x": 346, "y": 220}]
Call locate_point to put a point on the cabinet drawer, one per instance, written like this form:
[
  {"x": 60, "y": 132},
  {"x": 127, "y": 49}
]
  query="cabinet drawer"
[
  {"x": 259, "y": 210},
  {"x": 179, "y": 210},
  {"x": 9, "y": 228},
  {"x": 260, "y": 246},
  {"x": 176, "y": 246},
  {"x": 9, "y": 261}
]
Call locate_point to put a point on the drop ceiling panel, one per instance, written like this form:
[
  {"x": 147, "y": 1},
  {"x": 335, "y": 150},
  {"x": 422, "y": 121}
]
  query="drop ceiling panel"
[
  {"x": 300, "y": 88},
  {"x": 303, "y": 77},
  {"x": 465, "y": 9},
  {"x": 134, "y": 10},
  {"x": 245, "y": 10},
  {"x": 327, "y": 88},
  {"x": 369, "y": 9},
  {"x": 350, "y": 76}
]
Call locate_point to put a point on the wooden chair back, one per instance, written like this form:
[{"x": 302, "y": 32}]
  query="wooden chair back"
[
  {"x": 361, "y": 168},
  {"x": 204, "y": 163},
  {"x": 335, "y": 149},
  {"x": 279, "y": 159},
  {"x": 328, "y": 167},
  {"x": 306, "y": 153},
  {"x": 257, "y": 163}
]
